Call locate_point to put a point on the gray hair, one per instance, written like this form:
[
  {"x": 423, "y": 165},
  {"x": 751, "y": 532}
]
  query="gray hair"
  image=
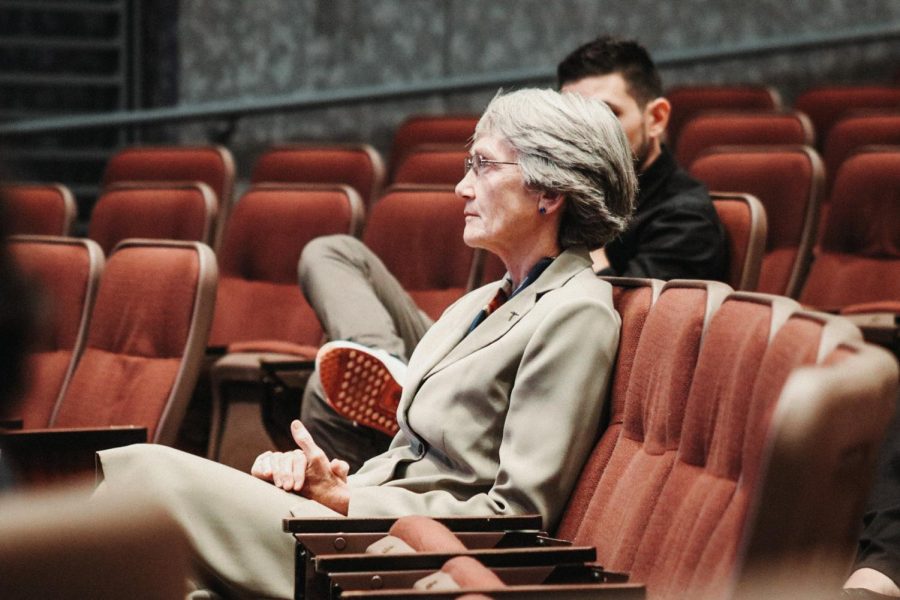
[{"x": 574, "y": 146}]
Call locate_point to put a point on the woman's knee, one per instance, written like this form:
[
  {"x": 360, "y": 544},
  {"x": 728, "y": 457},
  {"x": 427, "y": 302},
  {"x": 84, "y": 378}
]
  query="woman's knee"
[{"x": 322, "y": 250}]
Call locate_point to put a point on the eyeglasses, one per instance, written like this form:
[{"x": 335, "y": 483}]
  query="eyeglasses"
[{"x": 478, "y": 162}]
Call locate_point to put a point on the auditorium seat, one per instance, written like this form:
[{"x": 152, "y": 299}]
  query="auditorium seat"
[
  {"x": 689, "y": 100},
  {"x": 212, "y": 165},
  {"x": 826, "y": 105},
  {"x": 858, "y": 129},
  {"x": 789, "y": 182},
  {"x": 176, "y": 211},
  {"x": 416, "y": 130},
  {"x": 745, "y": 223},
  {"x": 357, "y": 165},
  {"x": 260, "y": 310},
  {"x": 633, "y": 299},
  {"x": 425, "y": 222},
  {"x": 708, "y": 129},
  {"x": 857, "y": 257},
  {"x": 432, "y": 164},
  {"x": 827, "y": 429},
  {"x": 67, "y": 546},
  {"x": 145, "y": 342},
  {"x": 39, "y": 208},
  {"x": 658, "y": 383},
  {"x": 68, "y": 273},
  {"x": 764, "y": 436}
]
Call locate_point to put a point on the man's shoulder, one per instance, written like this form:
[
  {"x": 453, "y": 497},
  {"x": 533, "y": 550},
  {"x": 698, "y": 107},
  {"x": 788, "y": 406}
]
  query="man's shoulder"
[{"x": 680, "y": 190}]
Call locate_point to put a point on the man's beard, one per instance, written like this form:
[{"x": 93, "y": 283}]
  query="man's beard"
[{"x": 640, "y": 154}]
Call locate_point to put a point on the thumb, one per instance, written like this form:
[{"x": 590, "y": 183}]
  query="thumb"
[{"x": 299, "y": 433}]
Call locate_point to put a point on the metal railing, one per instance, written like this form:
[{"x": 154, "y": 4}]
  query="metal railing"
[{"x": 235, "y": 109}]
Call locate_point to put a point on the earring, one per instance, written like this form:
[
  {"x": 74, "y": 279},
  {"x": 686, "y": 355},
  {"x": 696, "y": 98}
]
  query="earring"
[{"x": 542, "y": 210}]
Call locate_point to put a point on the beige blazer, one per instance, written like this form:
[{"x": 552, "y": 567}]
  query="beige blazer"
[{"x": 501, "y": 420}]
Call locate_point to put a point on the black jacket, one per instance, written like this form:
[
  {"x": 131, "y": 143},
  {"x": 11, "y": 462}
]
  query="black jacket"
[{"x": 674, "y": 233}]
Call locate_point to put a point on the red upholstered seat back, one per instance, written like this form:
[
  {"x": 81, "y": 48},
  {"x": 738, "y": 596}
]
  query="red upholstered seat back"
[
  {"x": 259, "y": 297},
  {"x": 146, "y": 337},
  {"x": 178, "y": 211},
  {"x": 858, "y": 254},
  {"x": 68, "y": 271},
  {"x": 432, "y": 164},
  {"x": 859, "y": 129},
  {"x": 817, "y": 466},
  {"x": 417, "y": 231},
  {"x": 826, "y": 105},
  {"x": 709, "y": 129},
  {"x": 431, "y": 129},
  {"x": 689, "y": 100},
  {"x": 655, "y": 400},
  {"x": 39, "y": 209},
  {"x": 633, "y": 299},
  {"x": 685, "y": 527},
  {"x": 213, "y": 165},
  {"x": 357, "y": 165},
  {"x": 788, "y": 181}
]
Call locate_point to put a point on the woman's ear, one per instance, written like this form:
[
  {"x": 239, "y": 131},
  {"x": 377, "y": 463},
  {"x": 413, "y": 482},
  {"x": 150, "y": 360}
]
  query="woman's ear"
[{"x": 549, "y": 203}]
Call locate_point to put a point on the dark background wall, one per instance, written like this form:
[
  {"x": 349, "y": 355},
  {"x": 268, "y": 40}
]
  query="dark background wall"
[{"x": 236, "y": 49}]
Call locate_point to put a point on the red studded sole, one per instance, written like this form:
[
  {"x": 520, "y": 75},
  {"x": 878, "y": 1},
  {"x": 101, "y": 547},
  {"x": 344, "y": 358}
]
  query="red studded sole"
[{"x": 359, "y": 387}]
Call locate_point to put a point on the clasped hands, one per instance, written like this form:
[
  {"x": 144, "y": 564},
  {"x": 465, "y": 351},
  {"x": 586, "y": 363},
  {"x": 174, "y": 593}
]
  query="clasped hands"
[{"x": 306, "y": 471}]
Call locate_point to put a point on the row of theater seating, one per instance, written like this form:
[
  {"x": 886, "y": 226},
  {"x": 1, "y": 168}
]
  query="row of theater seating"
[
  {"x": 258, "y": 304},
  {"x": 732, "y": 416},
  {"x": 788, "y": 180},
  {"x": 719, "y": 449},
  {"x": 754, "y": 115}
]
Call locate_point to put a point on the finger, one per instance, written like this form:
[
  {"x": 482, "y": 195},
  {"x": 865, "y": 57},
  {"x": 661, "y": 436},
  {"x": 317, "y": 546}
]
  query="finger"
[
  {"x": 315, "y": 457},
  {"x": 299, "y": 473},
  {"x": 340, "y": 468},
  {"x": 286, "y": 471},
  {"x": 301, "y": 436},
  {"x": 278, "y": 468},
  {"x": 262, "y": 466}
]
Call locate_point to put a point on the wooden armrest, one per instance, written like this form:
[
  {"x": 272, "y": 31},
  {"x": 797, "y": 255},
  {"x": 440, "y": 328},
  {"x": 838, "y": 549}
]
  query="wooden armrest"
[
  {"x": 317, "y": 544},
  {"x": 11, "y": 423},
  {"x": 286, "y": 373},
  {"x": 514, "y": 557},
  {"x": 383, "y": 524},
  {"x": 42, "y": 456},
  {"x": 615, "y": 591},
  {"x": 273, "y": 365},
  {"x": 536, "y": 575},
  {"x": 314, "y": 579}
]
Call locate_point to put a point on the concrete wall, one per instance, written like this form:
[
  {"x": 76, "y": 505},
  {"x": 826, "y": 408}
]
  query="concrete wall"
[{"x": 239, "y": 48}]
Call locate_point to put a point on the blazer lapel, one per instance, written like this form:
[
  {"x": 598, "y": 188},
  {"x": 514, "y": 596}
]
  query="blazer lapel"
[{"x": 504, "y": 318}]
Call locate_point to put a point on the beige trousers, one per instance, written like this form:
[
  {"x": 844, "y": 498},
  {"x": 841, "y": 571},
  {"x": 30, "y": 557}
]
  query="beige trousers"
[{"x": 232, "y": 519}]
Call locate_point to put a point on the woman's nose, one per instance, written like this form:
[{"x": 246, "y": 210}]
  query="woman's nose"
[{"x": 465, "y": 189}]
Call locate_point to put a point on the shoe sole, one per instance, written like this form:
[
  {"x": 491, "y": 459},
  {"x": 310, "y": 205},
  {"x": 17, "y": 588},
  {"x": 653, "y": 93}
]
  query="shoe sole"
[{"x": 359, "y": 387}]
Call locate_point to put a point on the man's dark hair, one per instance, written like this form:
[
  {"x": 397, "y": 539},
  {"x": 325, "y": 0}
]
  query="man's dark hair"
[{"x": 607, "y": 55}]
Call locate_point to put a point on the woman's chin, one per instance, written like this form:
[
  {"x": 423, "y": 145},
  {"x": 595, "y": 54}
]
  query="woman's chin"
[{"x": 473, "y": 239}]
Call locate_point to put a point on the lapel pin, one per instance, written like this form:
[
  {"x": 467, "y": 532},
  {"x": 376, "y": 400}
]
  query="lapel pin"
[{"x": 512, "y": 315}]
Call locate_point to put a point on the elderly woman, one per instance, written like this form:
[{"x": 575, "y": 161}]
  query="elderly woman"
[{"x": 503, "y": 394}]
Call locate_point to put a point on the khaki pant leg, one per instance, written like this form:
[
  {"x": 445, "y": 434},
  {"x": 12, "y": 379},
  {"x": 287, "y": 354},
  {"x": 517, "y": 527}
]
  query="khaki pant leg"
[{"x": 233, "y": 520}]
